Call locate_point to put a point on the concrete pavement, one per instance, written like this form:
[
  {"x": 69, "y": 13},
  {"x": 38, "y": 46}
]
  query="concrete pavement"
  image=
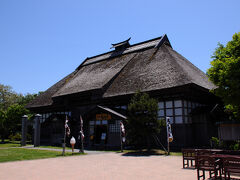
[{"x": 100, "y": 166}]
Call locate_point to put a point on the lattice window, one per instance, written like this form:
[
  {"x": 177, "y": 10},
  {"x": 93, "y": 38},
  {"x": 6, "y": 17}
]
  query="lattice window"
[{"x": 114, "y": 127}]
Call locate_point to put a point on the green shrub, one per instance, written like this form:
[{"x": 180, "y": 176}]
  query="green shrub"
[
  {"x": 236, "y": 146},
  {"x": 231, "y": 147},
  {"x": 215, "y": 142},
  {"x": 16, "y": 137},
  {"x": 29, "y": 137}
]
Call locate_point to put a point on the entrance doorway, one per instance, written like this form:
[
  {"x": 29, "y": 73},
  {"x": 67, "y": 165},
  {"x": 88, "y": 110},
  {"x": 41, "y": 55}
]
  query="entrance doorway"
[{"x": 101, "y": 134}]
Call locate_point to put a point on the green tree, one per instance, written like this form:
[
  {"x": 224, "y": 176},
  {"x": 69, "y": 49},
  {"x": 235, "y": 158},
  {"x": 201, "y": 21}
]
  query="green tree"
[
  {"x": 12, "y": 108},
  {"x": 3, "y": 129},
  {"x": 13, "y": 117},
  {"x": 25, "y": 99},
  {"x": 142, "y": 120},
  {"x": 225, "y": 73},
  {"x": 7, "y": 97}
]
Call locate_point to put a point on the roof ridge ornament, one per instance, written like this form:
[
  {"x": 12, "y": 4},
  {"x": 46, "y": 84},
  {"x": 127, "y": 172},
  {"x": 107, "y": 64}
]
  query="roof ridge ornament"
[
  {"x": 163, "y": 39},
  {"x": 121, "y": 45}
]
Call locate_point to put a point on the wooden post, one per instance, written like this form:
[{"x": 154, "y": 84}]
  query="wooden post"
[
  {"x": 121, "y": 140},
  {"x": 82, "y": 148},
  {"x": 168, "y": 146},
  {"x": 64, "y": 142}
]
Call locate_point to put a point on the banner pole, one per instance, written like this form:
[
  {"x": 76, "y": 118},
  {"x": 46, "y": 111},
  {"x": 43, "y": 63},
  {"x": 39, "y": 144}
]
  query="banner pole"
[
  {"x": 121, "y": 143},
  {"x": 64, "y": 139},
  {"x": 168, "y": 147},
  {"x": 121, "y": 137},
  {"x": 81, "y": 133}
]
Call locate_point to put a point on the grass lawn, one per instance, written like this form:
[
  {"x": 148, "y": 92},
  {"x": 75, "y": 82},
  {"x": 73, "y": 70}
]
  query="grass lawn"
[
  {"x": 176, "y": 153},
  {"x": 18, "y": 154},
  {"x": 9, "y": 153},
  {"x": 7, "y": 143}
]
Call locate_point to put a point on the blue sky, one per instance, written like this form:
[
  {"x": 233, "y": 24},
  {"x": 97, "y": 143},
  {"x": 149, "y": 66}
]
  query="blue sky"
[{"x": 41, "y": 41}]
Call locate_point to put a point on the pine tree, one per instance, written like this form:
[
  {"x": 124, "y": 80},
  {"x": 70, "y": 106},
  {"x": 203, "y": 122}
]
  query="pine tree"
[{"x": 142, "y": 121}]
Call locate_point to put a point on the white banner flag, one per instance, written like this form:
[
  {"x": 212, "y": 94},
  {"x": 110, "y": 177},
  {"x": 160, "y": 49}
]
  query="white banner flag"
[
  {"x": 122, "y": 129},
  {"x": 67, "y": 127},
  {"x": 169, "y": 130},
  {"x": 81, "y": 131}
]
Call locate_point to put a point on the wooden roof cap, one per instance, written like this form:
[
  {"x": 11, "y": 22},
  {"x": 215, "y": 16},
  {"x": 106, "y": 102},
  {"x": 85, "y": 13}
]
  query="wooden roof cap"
[{"x": 121, "y": 45}]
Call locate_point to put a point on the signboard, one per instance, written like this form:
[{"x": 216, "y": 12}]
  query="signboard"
[{"x": 103, "y": 116}]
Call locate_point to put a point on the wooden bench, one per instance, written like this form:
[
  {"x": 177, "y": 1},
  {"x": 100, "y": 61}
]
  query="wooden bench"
[
  {"x": 231, "y": 165},
  {"x": 189, "y": 156},
  {"x": 205, "y": 152},
  {"x": 230, "y": 152},
  {"x": 210, "y": 164}
]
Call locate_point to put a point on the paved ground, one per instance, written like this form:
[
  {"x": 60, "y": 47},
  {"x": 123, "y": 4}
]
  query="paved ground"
[{"x": 112, "y": 166}]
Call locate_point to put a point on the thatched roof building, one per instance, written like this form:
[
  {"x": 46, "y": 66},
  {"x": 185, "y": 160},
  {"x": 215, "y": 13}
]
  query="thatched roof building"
[
  {"x": 147, "y": 66},
  {"x": 111, "y": 78}
]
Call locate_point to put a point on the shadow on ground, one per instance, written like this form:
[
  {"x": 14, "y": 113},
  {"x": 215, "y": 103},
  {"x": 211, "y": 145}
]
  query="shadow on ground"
[{"x": 143, "y": 153}]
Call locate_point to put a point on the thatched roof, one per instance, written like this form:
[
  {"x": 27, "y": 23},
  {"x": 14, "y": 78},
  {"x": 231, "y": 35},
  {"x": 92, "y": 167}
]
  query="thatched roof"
[
  {"x": 146, "y": 66},
  {"x": 94, "y": 76},
  {"x": 45, "y": 98},
  {"x": 157, "y": 69}
]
